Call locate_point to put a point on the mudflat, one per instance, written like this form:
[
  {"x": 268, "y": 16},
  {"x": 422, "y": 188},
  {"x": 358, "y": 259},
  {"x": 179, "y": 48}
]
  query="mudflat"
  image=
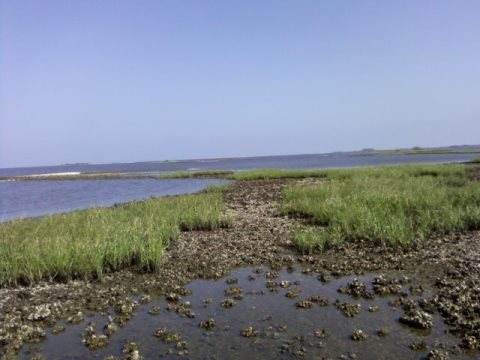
[{"x": 440, "y": 277}]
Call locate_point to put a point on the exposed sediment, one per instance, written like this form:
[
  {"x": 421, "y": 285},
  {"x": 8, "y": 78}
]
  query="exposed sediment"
[{"x": 447, "y": 266}]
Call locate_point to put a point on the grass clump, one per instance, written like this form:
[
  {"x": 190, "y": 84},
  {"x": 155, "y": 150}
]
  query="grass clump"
[
  {"x": 87, "y": 243},
  {"x": 399, "y": 205},
  {"x": 475, "y": 160},
  {"x": 196, "y": 174},
  {"x": 308, "y": 239},
  {"x": 270, "y": 174}
]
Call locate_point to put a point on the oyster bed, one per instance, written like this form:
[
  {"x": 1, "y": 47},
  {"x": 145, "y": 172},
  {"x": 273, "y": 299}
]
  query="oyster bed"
[
  {"x": 252, "y": 313},
  {"x": 440, "y": 282}
]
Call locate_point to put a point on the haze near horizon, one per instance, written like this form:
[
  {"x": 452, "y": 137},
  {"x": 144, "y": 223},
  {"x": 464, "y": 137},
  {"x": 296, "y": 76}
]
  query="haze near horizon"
[{"x": 121, "y": 81}]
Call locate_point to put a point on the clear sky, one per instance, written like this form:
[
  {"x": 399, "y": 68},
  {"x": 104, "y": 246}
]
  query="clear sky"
[{"x": 118, "y": 81}]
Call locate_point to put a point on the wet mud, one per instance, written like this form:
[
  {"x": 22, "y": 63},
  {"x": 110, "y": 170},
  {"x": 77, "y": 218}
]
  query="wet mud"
[
  {"x": 357, "y": 301},
  {"x": 262, "y": 323}
]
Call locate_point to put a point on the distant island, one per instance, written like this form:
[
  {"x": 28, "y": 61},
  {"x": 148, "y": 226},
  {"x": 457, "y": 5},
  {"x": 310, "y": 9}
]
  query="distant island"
[
  {"x": 417, "y": 150},
  {"x": 75, "y": 164}
]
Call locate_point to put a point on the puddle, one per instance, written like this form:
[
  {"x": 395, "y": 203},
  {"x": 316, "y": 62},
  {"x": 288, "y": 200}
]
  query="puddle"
[{"x": 282, "y": 329}]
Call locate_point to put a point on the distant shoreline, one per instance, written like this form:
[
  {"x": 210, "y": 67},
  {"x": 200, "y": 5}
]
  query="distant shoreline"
[
  {"x": 445, "y": 150},
  {"x": 416, "y": 152},
  {"x": 205, "y": 173},
  {"x": 267, "y": 221}
]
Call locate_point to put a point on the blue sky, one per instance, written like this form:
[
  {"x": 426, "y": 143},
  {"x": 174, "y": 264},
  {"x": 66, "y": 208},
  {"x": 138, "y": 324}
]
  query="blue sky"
[{"x": 119, "y": 81}]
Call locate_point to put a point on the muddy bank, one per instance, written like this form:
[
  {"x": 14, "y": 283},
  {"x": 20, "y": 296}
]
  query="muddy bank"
[{"x": 446, "y": 268}]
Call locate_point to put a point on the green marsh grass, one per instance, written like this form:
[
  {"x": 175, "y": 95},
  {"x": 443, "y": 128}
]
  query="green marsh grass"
[
  {"x": 196, "y": 174},
  {"x": 87, "y": 243},
  {"x": 257, "y": 174},
  {"x": 270, "y": 174},
  {"x": 397, "y": 205}
]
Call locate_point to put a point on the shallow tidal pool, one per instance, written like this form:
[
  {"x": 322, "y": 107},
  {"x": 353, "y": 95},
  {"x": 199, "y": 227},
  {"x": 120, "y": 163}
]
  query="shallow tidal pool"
[{"x": 248, "y": 315}]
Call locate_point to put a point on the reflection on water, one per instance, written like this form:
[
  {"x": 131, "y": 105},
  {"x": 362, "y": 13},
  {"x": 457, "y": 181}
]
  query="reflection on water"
[
  {"x": 284, "y": 331},
  {"x": 20, "y": 199}
]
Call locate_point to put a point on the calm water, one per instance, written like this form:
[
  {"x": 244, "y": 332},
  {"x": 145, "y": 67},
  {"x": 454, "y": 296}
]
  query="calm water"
[
  {"x": 33, "y": 198},
  {"x": 286, "y": 162},
  {"x": 282, "y": 328},
  {"x": 19, "y": 199}
]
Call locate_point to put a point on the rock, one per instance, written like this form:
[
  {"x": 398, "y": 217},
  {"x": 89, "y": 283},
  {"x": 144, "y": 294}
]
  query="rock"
[
  {"x": 416, "y": 290},
  {"x": 417, "y": 319},
  {"x": 383, "y": 286},
  {"x": 272, "y": 285},
  {"x": 167, "y": 336},
  {"x": 349, "y": 309},
  {"x": 437, "y": 355},
  {"x": 32, "y": 334},
  {"x": 145, "y": 299},
  {"x": 322, "y": 333},
  {"x": 92, "y": 340},
  {"x": 250, "y": 332},
  {"x": 356, "y": 288},
  {"x": 471, "y": 343},
  {"x": 125, "y": 307},
  {"x": 427, "y": 305},
  {"x": 207, "y": 324},
  {"x": 95, "y": 342},
  {"x": 154, "y": 310},
  {"x": 319, "y": 300},
  {"x": 359, "y": 335},
  {"x": 323, "y": 278},
  {"x": 235, "y": 292},
  {"x": 185, "y": 309},
  {"x": 40, "y": 312},
  {"x": 304, "y": 304},
  {"x": 172, "y": 297},
  {"x": 292, "y": 293},
  {"x": 271, "y": 275},
  {"x": 418, "y": 346},
  {"x": 383, "y": 332},
  {"x": 58, "y": 330},
  {"x": 132, "y": 352},
  {"x": 110, "y": 328},
  {"x": 228, "y": 303}
]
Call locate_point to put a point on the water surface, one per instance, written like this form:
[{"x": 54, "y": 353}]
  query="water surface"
[
  {"x": 283, "y": 329},
  {"x": 20, "y": 199},
  {"x": 308, "y": 161},
  {"x": 33, "y": 198}
]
